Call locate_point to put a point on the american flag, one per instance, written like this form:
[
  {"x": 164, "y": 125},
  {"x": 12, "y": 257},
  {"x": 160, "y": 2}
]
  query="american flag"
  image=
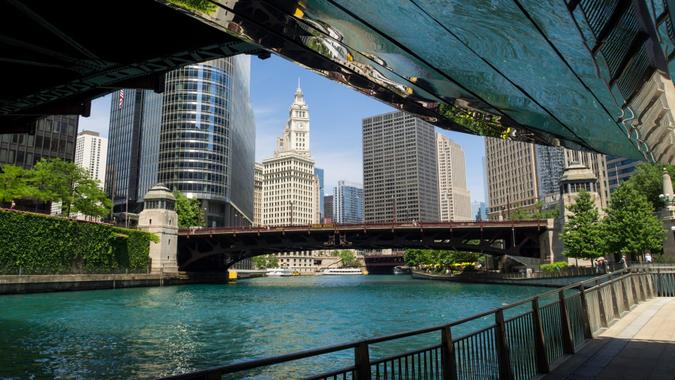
[{"x": 121, "y": 98}]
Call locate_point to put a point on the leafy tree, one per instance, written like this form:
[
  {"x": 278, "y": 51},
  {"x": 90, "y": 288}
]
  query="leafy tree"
[
  {"x": 348, "y": 258},
  {"x": 582, "y": 236},
  {"x": 56, "y": 180},
  {"x": 266, "y": 261},
  {"x": 631, "y": 227},
  {"x": 14, "y": 183},
  {"x": 648, "y": 180},
  {"x": 190, "y": 213},
  {"x": 89, "y": 199},
  {"x": 436, "y": 257}
]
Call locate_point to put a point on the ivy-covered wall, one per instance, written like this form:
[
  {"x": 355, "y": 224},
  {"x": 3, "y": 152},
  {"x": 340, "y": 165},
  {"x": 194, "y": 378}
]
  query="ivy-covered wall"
[{"x": 40, "y": 244}]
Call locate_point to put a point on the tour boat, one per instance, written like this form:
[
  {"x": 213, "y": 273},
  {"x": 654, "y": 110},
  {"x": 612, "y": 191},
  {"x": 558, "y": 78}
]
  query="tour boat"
[
  {"x": 278, "y": 272},
  {"x": 342, "y": 271}
]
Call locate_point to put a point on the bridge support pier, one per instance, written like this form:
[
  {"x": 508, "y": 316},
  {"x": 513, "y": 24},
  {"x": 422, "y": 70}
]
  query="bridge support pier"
[{"x": 159, "y": 217}]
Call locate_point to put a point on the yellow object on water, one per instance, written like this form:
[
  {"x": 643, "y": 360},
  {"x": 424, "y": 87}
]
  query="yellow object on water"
[
  {"x": 365, "y": 272},
  {"x": 231, "y": 275}
]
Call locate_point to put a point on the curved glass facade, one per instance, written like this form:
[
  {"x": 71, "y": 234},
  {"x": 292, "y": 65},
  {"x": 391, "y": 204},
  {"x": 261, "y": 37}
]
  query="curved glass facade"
[{"x": 206, "y": 147}]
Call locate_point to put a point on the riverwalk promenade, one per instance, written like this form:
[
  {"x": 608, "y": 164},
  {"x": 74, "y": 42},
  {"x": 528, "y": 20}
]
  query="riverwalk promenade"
[{"x": 641, "y": 345}]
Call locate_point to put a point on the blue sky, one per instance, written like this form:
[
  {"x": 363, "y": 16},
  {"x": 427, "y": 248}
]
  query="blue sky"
[{"x": 336, "y": 112}]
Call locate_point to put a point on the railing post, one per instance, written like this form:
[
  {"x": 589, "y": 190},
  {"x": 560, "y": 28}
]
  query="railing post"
[
  {"x": 633, "y": 288},
  {"x": 588, "y": 334},
  {"x": 505, "y": 372},
  {"x": 641, "y": 288},
  {"x": 448, "y": 355},
  {"x": 362, "y": 361},
  {"x": 615, "y": 303},
  {"x": 601, "y": 307},
  {"x": 624, "y": 293},
  {"x": 568, "y": 343},
  {"x": 539, "y": 342}
]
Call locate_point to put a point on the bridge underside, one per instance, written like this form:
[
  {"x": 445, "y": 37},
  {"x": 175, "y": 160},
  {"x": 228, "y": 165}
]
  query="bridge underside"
[
  {"x": 204, "y": 251},
  {"x": 582, "y": 73}
]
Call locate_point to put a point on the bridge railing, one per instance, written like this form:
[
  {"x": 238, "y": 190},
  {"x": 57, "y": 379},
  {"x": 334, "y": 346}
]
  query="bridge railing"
[{"x": 516, "y": 341}]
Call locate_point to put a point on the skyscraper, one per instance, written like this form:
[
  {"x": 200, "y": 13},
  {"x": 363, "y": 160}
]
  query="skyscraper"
[
  {"x": 318, "y": 172},
  {"x": 328, "y": 202},
  {"x": 133, "y": 147},
  {"x": 512, "y": 177},
  {"x": 454, "y": 197},
  {"x": 258, "y": 178},
  {"x": 348, "y": 203},
  {"x": 290, "y": 187},
  {"x": 197, "y": 137},
  {"x": 399, "y": 169},
  {"x": 479, "y": 210},
  {"x": 90, "y": 153},
  {"x": 54, "y": 137}
]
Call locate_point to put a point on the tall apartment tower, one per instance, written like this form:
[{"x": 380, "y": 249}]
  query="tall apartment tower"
[
  {"x": 290, "y": 187},
  {"x": 54, "y": 137},
  {"x": 258, "y": 178},
  {"x": 454, "y": 198},
  {"x": 511, "y": 176},
  {"x": 348, "y": 207},
  {"x": 91, "y": 152},
  {"x": 399, "y": 169},
  {"x": 197, "y": 137}
]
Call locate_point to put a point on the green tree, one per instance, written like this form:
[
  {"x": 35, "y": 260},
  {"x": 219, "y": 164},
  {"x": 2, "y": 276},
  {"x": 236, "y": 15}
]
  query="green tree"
[
  {"x": 14, "y": 183},
  {"x": 348, "y": 258},
  {"x": 266, "y": 261},
  {"x": 582, "y": 236},
  {"x": 648, "y": 180},
  {"x": 537, "y": 213},
  {"x": 631, "y": 227},
  {"x": 89, "y": 199},
  {"x": 190, "y": 213}
]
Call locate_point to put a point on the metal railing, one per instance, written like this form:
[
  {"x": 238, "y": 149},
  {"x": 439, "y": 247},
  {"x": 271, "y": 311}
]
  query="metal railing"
[{"x": 516, "y": 341}]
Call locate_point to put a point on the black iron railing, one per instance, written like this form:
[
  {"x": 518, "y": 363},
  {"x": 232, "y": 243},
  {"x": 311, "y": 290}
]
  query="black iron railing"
[{"x": 517, "y": 341}]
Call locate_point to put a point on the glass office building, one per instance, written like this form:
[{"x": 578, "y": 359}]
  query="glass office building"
[
  {"x": 197, "y": 137},
  {"x": 54, "y": 137},
  {"x": 348, "y": 203},
  {"x": 318, "y": 172},
  {"x": 207, "y": 142},
  {"x": 133, "y": 147}
]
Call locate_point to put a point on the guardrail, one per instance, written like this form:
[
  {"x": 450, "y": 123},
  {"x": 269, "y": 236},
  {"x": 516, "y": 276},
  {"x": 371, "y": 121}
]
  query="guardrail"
[{"x": 516, "y": 341}]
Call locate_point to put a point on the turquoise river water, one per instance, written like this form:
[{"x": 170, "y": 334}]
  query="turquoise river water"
[{"x": 151, "y": 332}]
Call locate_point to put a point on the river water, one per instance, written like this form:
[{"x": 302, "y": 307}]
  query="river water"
[{"x": 149, "y": 332}]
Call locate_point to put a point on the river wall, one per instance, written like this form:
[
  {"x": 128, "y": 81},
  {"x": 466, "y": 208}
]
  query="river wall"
[
  {"x": 553, "y": 282},
  {"x": 69, "y": 282}
]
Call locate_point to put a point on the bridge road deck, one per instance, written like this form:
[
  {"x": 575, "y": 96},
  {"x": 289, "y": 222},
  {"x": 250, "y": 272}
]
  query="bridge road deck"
[{"x": 641, "y": 345}]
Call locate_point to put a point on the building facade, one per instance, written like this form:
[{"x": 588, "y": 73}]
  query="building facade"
[
  {"x": 91, "y": 151},
  {"x": 258, "y": 178},
  {"x": 521, "y": 174},
  {"x": 54, "y": 137},
  {"x": 511, "y": 177},
  {"x": 552, "y": 162},
  {"x": 619, "y": 169},
  {"x": 348, "y": 203},
  {"x": 290, "y": 187},
  {"x": 318, "y": 172},
  {"x": 197, "y": 137},
  {"x": 133, "y": 147},
  {"x": 453, "y": 196},
  {"x": 328, "y": 202},
  {"x": 399, "y": 169}
]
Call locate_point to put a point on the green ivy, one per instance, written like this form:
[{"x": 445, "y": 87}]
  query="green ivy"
[{"x": 40, "y": 244}]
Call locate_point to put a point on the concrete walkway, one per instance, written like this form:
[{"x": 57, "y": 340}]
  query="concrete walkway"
[{"x": 641, "y": 345}]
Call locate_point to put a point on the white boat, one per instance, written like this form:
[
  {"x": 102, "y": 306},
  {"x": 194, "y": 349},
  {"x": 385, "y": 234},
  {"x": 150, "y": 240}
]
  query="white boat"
[
  {"x": 278, "y": 272},
  {"x": 342, "y": 271}
]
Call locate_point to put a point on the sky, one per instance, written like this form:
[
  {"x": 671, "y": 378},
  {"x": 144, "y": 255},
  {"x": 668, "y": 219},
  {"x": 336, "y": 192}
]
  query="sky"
[{"x": 335, "y": 111}]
